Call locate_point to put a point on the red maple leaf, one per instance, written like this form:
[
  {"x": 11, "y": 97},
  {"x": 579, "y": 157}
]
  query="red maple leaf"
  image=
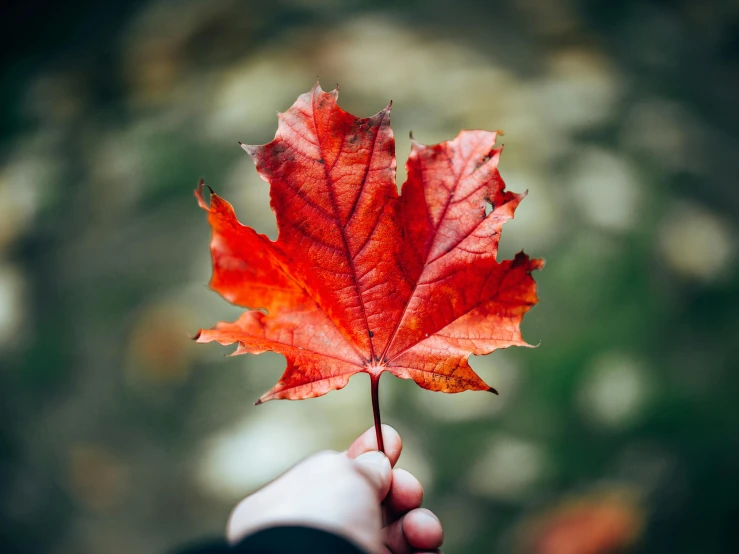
[{"x": 362, "y": 279}]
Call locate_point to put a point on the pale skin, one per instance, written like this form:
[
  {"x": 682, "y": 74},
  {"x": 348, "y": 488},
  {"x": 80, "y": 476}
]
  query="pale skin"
[{"x": 349, "y": 493}]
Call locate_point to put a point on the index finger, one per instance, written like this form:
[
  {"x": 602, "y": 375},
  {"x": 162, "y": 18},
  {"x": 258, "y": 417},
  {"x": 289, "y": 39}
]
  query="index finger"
[{"x": 367, "y": 442}]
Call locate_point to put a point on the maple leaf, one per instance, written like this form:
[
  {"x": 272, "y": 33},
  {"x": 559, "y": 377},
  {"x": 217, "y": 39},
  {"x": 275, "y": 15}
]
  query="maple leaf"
[{"x": 362, "y": 279}]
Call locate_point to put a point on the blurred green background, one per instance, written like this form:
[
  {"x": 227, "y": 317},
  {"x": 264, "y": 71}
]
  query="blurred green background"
[{"x": 619, "y": 433}]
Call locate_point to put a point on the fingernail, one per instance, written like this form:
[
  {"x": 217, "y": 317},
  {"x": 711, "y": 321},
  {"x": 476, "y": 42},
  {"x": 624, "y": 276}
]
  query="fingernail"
[
  {"x": 430, "y": 518},
  {"x": 373, "y": 457}
]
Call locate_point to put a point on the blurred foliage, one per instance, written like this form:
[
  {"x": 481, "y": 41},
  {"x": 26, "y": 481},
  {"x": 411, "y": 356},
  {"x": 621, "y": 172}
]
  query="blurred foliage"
[{"x": 618, "y": 432}]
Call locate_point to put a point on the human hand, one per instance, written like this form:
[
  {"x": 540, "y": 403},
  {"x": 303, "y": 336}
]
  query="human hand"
[{"x": 341, "y": 492}]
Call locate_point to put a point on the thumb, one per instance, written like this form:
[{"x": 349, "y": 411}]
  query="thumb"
[{"x": 375, "y": 468}]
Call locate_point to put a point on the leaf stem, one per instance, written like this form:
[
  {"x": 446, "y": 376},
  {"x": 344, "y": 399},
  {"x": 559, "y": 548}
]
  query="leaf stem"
[{"x": 374, "y": 383}]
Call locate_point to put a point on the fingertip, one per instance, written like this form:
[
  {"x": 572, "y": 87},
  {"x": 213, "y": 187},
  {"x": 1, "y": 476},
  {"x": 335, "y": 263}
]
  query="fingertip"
[
  {"x": 367, "y": 442},
  {"x": 393, "y": 443},
  {"x": 406, "y": 492},
  {"x": 422, "y": 529}
]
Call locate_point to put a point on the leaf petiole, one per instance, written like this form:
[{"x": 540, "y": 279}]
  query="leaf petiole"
[{"x": 374, "y": 384}]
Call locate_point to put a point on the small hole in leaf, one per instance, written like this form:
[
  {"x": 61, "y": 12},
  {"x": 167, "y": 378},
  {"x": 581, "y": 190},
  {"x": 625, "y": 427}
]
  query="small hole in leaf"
[{"x": 489, "y": 207}]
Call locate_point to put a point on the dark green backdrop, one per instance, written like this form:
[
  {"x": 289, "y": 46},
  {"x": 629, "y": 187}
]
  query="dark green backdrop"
[{"x": 119, "y": 435}]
